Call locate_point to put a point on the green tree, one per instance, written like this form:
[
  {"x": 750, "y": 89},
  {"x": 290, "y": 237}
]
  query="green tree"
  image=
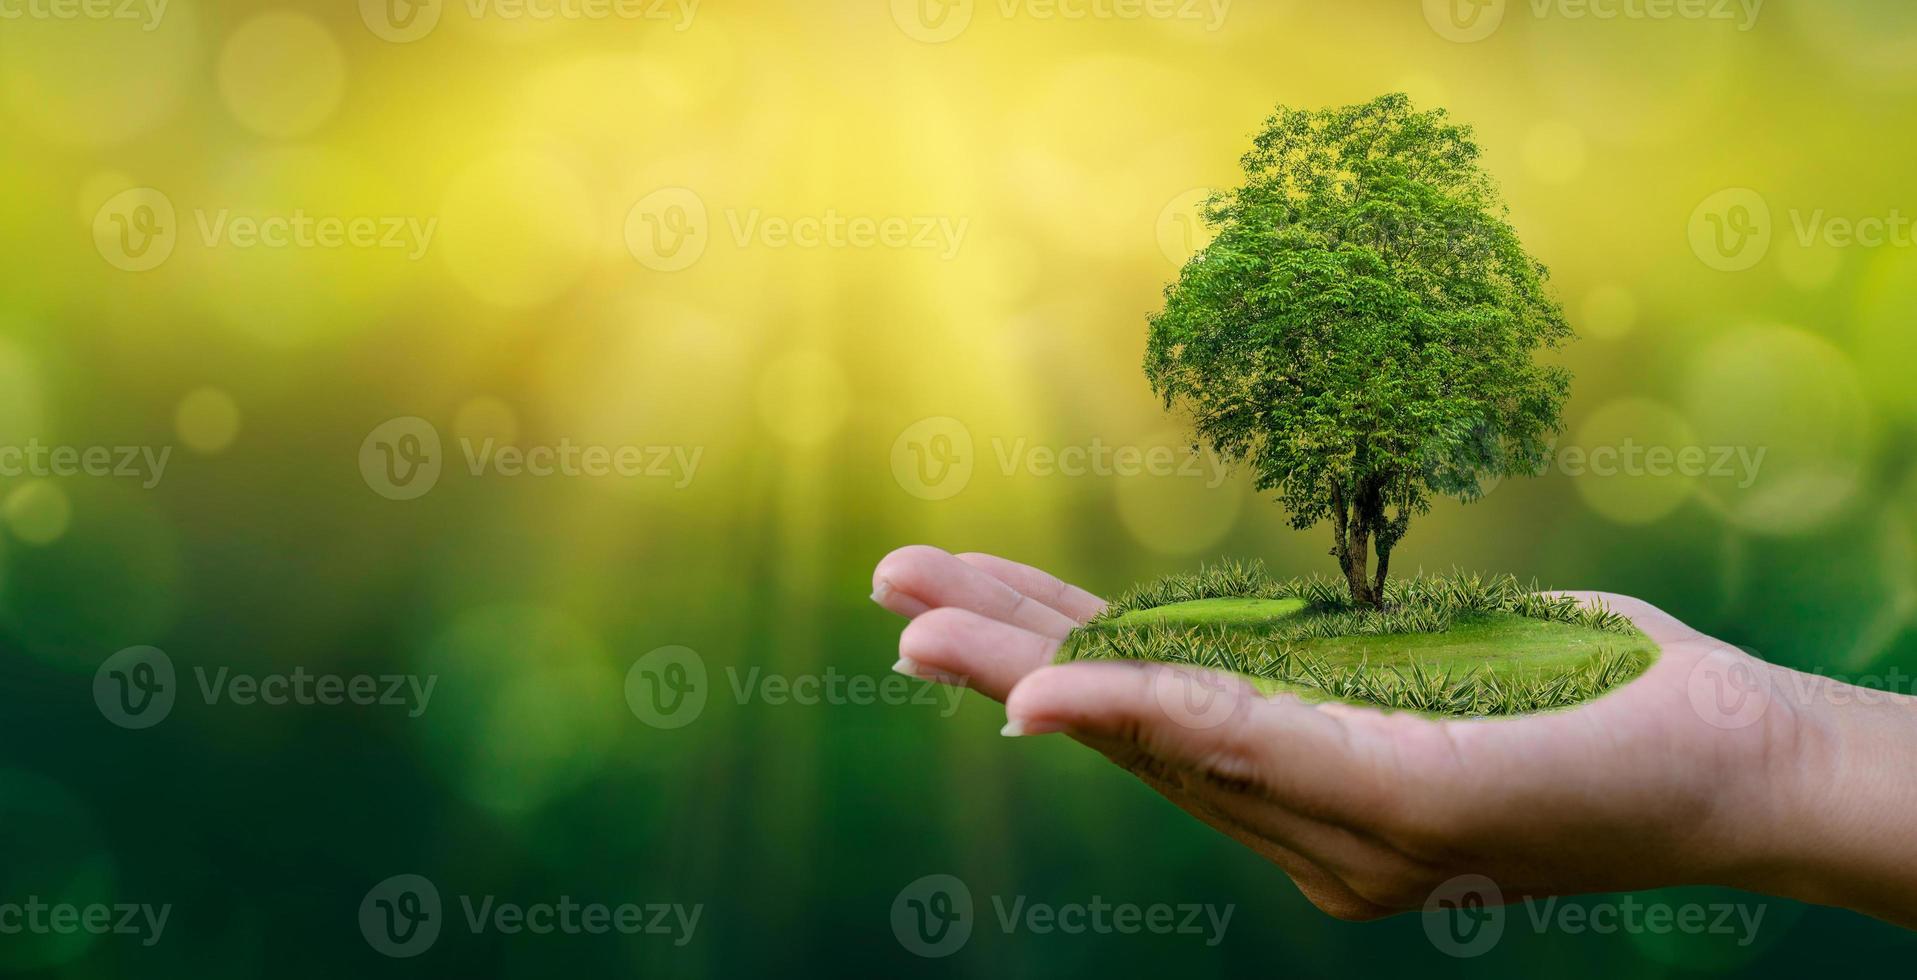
[{"x": 1365, "y": 329}]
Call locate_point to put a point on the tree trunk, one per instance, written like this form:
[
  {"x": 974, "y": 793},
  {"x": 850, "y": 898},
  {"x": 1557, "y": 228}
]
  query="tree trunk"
[
  {"x": 1355, "y": 556},
  {"x": 1365, "y": 520},
  {"x": 1384, "y": 565}
]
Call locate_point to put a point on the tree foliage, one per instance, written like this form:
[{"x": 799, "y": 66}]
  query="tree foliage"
[{"x": 1364, "y": 330}]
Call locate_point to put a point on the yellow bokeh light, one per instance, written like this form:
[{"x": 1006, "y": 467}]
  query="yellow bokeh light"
[
  {"x": 1608, "y": 313},
  {"x": 22, "y": 409},
  {"x": 1554, "y": 152},
  {"x": 1885, "y": 311},
  {"x": 1080, "y": 164},
  {"x": 1181, "y": 508},
  {"x": 100, "y": 82},
  {"x": 1790, "y": 404},
  {"x": 207, "y": 420},
  {"x": 486, "y": 419},
  {"x": 653, "y": 373},
  {"x": 37, "y": 512},
  {"x": 282, "y": 74},
  {"x": 243, "y": 257},
  {"x": 1808, "y": 267},
  {"x": 1634, "y": 461},
  {"x": 596, "y": 105},
  {"x": 688, "y": 69},
  {"x": 802, "y": 398},
  {"x": 517, "y": 228}
]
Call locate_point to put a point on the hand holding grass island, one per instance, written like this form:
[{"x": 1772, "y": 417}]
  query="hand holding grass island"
[
  {"x": 1364, "y": 333},
  {"x": 1711, "y": 768}
]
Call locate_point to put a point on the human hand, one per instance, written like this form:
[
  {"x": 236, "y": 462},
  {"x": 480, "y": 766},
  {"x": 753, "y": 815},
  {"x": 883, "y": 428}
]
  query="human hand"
[{"x": 1714, "y": 767}]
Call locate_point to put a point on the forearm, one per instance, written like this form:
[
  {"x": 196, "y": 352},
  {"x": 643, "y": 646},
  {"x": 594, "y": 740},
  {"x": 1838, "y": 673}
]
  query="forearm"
[{"x": 1845, "y": 833}]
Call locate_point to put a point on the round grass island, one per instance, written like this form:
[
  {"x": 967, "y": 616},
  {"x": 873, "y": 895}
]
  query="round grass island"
[{"x": 1459, "y": 645}]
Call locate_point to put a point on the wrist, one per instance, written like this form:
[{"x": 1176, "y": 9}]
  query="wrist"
[{"x": 1835, "y": 798}]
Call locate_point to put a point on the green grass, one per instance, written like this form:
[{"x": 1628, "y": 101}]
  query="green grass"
[
  {"x": 1200, "y": 611},
  {"x": 1464, "y": 645}
]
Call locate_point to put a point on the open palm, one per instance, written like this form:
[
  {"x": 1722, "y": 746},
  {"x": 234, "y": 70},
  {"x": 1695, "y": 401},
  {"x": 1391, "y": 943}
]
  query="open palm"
[{"x": 1669, "y": 780}]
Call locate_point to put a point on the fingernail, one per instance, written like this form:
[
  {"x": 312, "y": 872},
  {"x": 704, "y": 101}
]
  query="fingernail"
[
  {"x": 896, "y": 601},
  {"x": 908, "y": 667},
  {"x": 1018, "y": 727}
]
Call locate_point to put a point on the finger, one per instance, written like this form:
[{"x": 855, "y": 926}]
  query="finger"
[
  {"x": 1075, "y": 603},
  {"x": 1656, "y": 623},
  {"x": 988, "y": 656},
  {"x": 930, "y": 577},
  {"x": 1211, "y": 724},
  {"x": 1322, "y": 888},
  {"x": 1317, "y": 856},
  {"x": 1316, "y": 828},
  {"x": 888, "y": 596},
  {"x": 992, "y": 657}
]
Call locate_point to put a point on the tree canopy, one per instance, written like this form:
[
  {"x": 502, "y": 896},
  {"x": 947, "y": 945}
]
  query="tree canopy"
[{"x": 1363, "y": 331}]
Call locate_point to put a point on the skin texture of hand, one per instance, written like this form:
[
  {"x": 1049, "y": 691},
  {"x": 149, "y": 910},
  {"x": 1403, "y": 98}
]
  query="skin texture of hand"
[{"x": 1712, "y": 768}]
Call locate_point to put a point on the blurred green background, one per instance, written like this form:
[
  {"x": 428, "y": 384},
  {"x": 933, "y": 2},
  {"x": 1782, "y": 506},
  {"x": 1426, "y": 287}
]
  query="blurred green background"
[{"x": 602, "y": 234}]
